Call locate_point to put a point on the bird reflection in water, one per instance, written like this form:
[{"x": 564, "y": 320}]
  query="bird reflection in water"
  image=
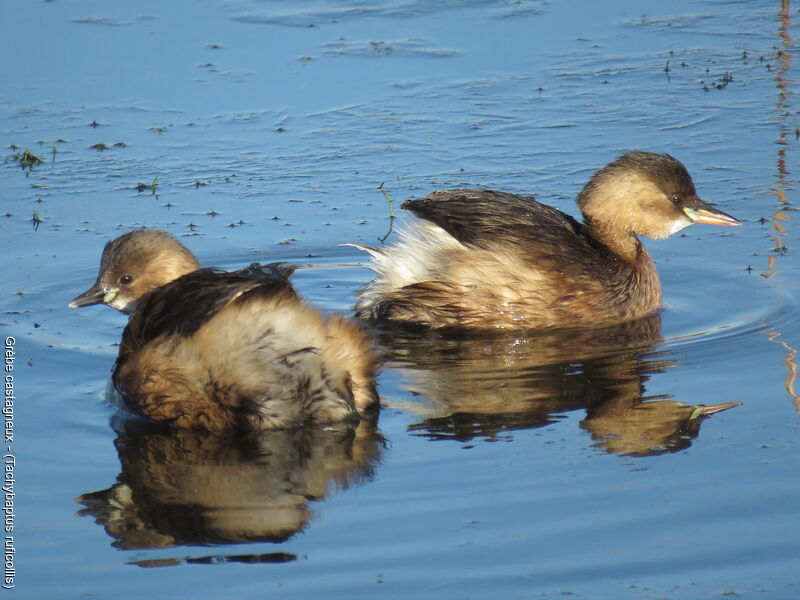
[
  {"x": 474, "y": 385},
  {"x": 187, "y": 487}
]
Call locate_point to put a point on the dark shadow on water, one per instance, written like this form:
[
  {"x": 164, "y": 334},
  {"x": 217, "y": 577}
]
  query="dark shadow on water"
[
  {"x": 182, "y": 487},
  {"x": 480, "y": 385}
]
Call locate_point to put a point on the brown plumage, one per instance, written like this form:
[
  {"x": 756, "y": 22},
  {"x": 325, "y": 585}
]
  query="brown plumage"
[
  {"x": 210, "y": 349},
  {"x": 486, "y": 259}
]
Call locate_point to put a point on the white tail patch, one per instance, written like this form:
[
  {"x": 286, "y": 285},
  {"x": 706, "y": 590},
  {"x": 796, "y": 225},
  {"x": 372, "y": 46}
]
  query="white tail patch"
[{"x": 417, "y": 257}]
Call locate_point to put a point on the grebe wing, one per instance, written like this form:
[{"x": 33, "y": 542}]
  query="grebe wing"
[
  {"x": 182, "y": 306},
  {"x": 484, "y": 218}
]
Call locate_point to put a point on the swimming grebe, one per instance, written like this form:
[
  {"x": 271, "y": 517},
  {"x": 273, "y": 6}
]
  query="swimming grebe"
[
  {"x": 212, "y": 350},
  {"x": 485, "y": 259}
]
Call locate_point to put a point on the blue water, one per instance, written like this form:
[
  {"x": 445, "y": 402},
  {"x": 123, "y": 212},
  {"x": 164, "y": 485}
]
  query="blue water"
[{"x": 517, "y": 467}]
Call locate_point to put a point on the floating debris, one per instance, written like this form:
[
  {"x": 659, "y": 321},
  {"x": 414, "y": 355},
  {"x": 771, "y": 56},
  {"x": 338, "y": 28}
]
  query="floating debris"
[
  {"x": 724, "y": 81},
  {"x": 26, "y": 159},
  {"x": 107, "y": 21},
  {"x": 388, "y": 200},
  {"x": 391, "y": 213},
  {"x": 141, "y": 187}
]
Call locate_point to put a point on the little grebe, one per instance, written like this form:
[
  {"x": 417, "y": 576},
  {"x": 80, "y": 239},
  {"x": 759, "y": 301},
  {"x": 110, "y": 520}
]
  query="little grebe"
[
  {"x": 485, "y": 259},
  {"x": 212, "y": 350}
]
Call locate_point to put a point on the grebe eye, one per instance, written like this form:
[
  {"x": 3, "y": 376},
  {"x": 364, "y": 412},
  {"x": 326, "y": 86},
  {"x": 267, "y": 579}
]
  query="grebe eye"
[
  {"x": 126, "y": 279},
  {"x": 676, "y": 199}
]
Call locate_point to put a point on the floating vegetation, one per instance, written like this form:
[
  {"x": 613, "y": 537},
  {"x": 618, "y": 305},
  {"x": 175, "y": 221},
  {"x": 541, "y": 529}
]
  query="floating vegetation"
[
  {"x": 398, "y": 47},
  {"x": 141, "y": 187},
  {"x": 382, "y": 47},
  {"x": 391, "y": 213},
  {"x": 723, "y": 82},
  {"x": 388, "y": 200},
  {"x": 26, "y": 159},
  {"x": 107, "y": 21},
  {"x": 101, "y": 147}
]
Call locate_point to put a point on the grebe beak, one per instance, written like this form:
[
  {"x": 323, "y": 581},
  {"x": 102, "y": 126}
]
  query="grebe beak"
[
  {"x": 705, "y": 213},
  {"x": 705, "y": 411},
  {"x": 97, "y": 294}
]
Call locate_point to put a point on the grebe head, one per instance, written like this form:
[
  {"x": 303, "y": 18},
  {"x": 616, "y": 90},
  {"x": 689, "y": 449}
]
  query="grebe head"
[
  {"x": 643, "y": 193},
  {"x": 134, "y": 264}
]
